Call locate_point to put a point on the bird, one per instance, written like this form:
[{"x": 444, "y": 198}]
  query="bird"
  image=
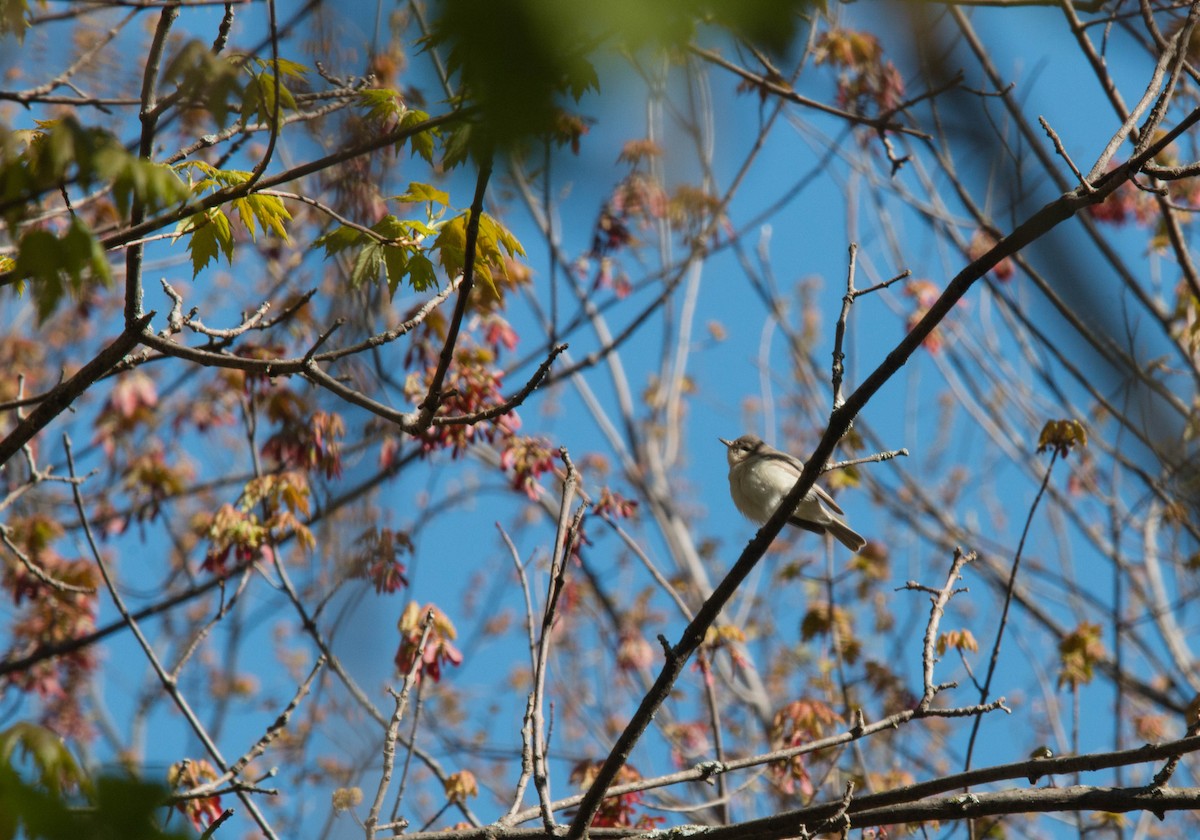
[{"x": 760, "y": 476}]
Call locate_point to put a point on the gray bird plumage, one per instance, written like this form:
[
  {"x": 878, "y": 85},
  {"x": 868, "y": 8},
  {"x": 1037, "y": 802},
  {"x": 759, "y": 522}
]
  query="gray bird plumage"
[{"x": 761, "y": 476}]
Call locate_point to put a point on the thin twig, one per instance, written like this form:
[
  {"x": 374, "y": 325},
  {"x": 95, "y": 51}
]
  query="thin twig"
[
  {"x": 393, "y": 730},
  {"x": 509, "y": 404},
  {"x": 1008, "y": 597},
  {"x": 168, "y": 682},
  {"x": 878, "y": 457},
  {"x": 558, "y": 563},
  {"x": 1062, "y": 152},
  {"x": 937, "y": 608},
  {"x": 839, "y": 332},
  {"x": 527, "y": 761},
  {"x": 38, "y": 572}
]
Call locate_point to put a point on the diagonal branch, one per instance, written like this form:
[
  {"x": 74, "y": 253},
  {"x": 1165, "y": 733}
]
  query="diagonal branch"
[
  {"x": 433, "y": 398},
  {"x": 57, "y": 400},
  {"x": 1035, "y": 227}
]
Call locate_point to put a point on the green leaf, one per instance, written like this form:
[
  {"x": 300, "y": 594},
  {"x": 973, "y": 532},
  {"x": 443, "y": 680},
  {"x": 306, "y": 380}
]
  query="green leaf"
[
  {"x": 210, "y": 236},
  {"x": 258, "y": 99},
  {"x": 366, "y": 265},
  {"x": 338, "y": 240},
  {"x": 418, "y": 192},
  {"x": 242, "y": 206},
  {"x": 390, "y": 227},
  {"x": 580, "y": 77},
  {"x": 57, "y": 266},
  {"x": 451, "y": 245},
  {"x": 395, "y": 263},
  {"x": 204, "y": 79},
  {"x": 494, "y": 232},
  {"x": 286, "y": 66},
  {"x": 13, "y": 18},
  {"x": 457, "y": 146},
  {"x": 56, "y": 767},
  {"x": 398, "y": 259},
  {"x": 82, "y": 253},
  {"x": 268, "y": 210},
  {"x": 422, "y": 274},
  {"x": 382, "y": 104},
  {"x": 421, "y": 142},
  {"x": 121, "y": 808},
  {"x": 156, "y": 185},
  {"x": 127, "y": 809}
]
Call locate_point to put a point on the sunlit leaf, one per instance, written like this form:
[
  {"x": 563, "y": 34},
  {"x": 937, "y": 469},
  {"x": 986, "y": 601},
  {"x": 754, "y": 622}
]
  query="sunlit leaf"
[
  {"x": 366, "y": 265},
  {"x": 418, "y": 192},
  {"x": 421, "y": 273},
  {"x": 56, "y": 267},
  {"x": 421, "y": 142},
  {"x": 56, "y": 767},
  {"x": 338, "y": 240},
  {"x": 14, "y": 18},
  {"x": 210, "y": 236}
]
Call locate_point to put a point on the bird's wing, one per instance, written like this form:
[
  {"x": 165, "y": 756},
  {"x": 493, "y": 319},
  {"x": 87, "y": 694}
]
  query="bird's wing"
[
  {"x": 780, "y": 459},
  {"x": 827, "y": 499}
]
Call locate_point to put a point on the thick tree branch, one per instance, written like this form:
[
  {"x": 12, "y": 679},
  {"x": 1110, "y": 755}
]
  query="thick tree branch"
[{"x": 59, "y": 398}]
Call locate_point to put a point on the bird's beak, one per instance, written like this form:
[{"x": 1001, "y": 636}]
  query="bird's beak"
[{"x": 727, "y": 443}]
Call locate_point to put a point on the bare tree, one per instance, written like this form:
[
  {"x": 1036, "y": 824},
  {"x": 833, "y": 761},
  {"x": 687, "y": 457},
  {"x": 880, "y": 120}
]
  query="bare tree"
[{"x": 325, "y": 320}]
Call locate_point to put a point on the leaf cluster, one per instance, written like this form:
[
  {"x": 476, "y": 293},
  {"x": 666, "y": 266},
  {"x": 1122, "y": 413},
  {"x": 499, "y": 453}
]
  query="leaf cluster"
[
  {"x": 62, "y": 151},
  {"x": 556, "y": 42},
  {"x": 110, "y": 806},
  {"x": 397, "y": 246},
  {"x": 209, "y": 231}
]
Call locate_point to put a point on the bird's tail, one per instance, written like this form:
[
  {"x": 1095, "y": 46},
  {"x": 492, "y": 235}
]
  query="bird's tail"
[{"x": 846, "y": 535}]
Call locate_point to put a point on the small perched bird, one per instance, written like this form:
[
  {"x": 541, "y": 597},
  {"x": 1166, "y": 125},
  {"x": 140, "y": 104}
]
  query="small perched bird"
[{"x": 761, "y": 476}]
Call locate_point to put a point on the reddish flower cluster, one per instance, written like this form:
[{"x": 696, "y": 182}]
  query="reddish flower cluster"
[
  {"x": 151, "y": 480},
  {"x": 689, "y": 741},
  {"x": 439, "y": 647},
  {"x": 925, "y": 293},
  {"x": 636, "y": 202},
  {"x": 798, "y": 723},
  {"x": 634, "y": 652},
  {"x": 253, "y": 381},
  {"x": 981, "y": 243},
  {"x": 472, "y": 385},
  {"x": 866, "y": 78},
  {"x": 1123, "y": 204},
  {"x": 1079, "y": 652},
  {"x": 304, "y": 441},
  {"x": 615, "y": 811},
  {"x": 231, "y": 530},
  {"x": 283, "y": 498},
  {"x": 1129, "y": 203},
  {"x": 569, "y": 129},
  {"x": 460, "y": 787},
  {"x": 51, "y": 616},
  {"x": 692, "y": 209},
  {"x": 186, "y": 775},
  {"x": 608, "y": 276},
  {"x": 377, "y": 560},
  {"x": 614, "y": 505},
  {"x": 528, "y": 458},
  {"x": 131, "y": 404},
  {"x": 498, "y": 333},
  {"x": 720, "y": 637}
]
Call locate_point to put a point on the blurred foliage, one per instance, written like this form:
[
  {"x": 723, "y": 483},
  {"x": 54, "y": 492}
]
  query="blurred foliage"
[
  {"x": 519, "y": 60},
  {"x": 110, "y": 806}
]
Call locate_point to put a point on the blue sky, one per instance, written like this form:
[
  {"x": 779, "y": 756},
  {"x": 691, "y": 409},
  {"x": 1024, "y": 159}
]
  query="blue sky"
[{"x": 459, "y": 553}]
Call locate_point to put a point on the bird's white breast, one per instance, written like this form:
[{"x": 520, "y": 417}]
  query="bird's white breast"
[{"x": 758, "y": 489}]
